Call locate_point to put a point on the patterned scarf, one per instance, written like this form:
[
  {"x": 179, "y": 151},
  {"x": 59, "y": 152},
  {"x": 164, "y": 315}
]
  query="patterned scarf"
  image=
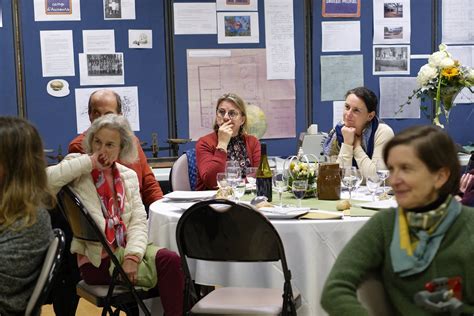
[
  {"x": 112, "y": 208},
  {"x": 413, "y": 248},
  {"x": 332, "y": 143},
  {"x": 237, "y": 151}
]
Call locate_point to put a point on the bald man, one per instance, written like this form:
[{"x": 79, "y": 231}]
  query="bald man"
[{"x": 102, "y": 102}]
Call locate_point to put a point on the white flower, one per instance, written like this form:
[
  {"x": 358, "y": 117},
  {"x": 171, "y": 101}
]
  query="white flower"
[
  {"x": 446, "y": 63},
  {"x": 470, "y": 75},
  {"x": 437, "y": 58},
  {"x": 426, "y": 74}
]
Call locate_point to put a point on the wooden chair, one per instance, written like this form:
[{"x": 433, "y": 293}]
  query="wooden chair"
[
  {"x": 106, "y": 296},
  {"x": 221, "y": 230}
]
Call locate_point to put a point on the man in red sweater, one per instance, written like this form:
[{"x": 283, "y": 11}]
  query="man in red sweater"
[{"x": 102, "y": 102}]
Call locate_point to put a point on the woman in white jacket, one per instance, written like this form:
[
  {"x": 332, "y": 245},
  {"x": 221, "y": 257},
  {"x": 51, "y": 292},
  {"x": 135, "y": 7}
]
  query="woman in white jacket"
[{"x": 110, "y": 192}]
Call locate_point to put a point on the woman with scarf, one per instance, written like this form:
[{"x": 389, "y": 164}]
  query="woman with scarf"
[
  {"x": 110, "y": 192},
  {"x": 428, "y": 236},
  {"x": 359, "y": 139},
  {"x": 228, "y": 141}
]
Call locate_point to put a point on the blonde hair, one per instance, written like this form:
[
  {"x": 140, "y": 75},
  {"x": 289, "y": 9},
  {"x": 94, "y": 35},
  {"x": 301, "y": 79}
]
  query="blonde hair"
[
  {"x": 23, "y": 180},
  {"x": 239, "y": 103},
  {"x": 128, "y": 149}
]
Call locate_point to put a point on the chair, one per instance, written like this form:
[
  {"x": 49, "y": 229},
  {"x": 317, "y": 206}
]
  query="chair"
[
  {"x": 183, "y": 175},
  {"x": 105, "y": 296},
  {"x": 221, "y": 230},
  {"x": 52, "y": 260},
  {"x": 371, "y": 293}
]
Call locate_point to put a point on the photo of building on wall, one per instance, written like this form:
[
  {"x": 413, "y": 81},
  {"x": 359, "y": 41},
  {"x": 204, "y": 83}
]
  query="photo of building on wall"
[
  {"x": 237, "y": 2},
  {"x": 392, "y": 32},
  {"x": 237, "y": 25},
  {"x": 105, "y": 64},
  {"x": 391, "y": 59},
  {"x": 393, "y": 10},
  {"x": 113, "y": 9}
]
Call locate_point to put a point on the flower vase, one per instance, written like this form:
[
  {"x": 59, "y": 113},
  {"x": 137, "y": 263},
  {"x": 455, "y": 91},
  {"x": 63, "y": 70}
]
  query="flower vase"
[{"x": 447, "y": 96}]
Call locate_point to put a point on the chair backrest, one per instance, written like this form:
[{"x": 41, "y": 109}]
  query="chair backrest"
[
  {"x": 51, "y": 264},
  {"x": 179, "y": 176}
]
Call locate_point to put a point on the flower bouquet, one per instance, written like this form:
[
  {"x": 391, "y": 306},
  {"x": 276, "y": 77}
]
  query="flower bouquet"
[{"x": 441, "y": 79}]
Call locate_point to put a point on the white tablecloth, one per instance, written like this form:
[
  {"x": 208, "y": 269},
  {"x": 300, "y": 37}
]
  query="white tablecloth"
[{"x": 311, "y": 248}]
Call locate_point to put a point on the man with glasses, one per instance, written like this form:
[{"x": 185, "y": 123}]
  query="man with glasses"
[{"x": 228, "y": 141}]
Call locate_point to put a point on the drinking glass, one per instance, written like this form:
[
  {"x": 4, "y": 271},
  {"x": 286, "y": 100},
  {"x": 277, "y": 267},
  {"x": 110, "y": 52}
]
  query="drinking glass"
[
  {"x": 382, "y": 172},
  {"x": 373, "y": 183},
  {"x": 233, "y": 175},
  {"x": 231, "y": 164},
  {"x": 252, "y": 178},
  {"x": 239, "y": 189},
  {"x": 221, "y": 178},
  {"x": 280, "y": 183},
  {"x": 360, "y": 178},
  {"x": 349, "y": 179},
  {"x": 299, "y": 188}
]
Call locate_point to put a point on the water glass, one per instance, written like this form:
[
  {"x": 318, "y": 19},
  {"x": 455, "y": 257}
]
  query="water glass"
[
  {"x": 382, "y": 171},
  {"x": 349, "y": 179},
  {"x": 360, "y": 178},
  {"x": 280, "y": 183},
  {"x": 231, "y": 164},
  {"x": 373, "y": 183},
  {"x": 221, "y": 179},
  {"x": 252, "y": 178},
  {"x": 299, "y": 188}
]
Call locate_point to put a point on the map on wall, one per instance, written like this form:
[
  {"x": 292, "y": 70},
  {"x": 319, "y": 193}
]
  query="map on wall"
[{"x": 214, "y": 72}]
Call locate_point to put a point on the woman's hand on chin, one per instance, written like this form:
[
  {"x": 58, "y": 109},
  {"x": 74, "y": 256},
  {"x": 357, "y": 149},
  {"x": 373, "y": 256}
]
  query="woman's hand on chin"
[
  {"x": 349, "y": 135},
  {"x": 101, "y": 161}
]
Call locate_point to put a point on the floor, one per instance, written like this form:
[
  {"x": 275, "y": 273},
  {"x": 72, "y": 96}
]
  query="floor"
[{"x": 84, "y": 309}]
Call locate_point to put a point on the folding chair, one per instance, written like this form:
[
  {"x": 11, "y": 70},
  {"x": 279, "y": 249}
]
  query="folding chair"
[
  {"x": 105, "y": 296},
  {"x": 221, "y": 230},
  {"x": 52, "y": 260}
]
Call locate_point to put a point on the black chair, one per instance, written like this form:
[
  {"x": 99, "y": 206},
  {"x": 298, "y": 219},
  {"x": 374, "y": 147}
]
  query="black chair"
[
  {"x": 221, "y": 230},
  {"x": 52, "y": 261},
  {"x": 120, "y": 296}
]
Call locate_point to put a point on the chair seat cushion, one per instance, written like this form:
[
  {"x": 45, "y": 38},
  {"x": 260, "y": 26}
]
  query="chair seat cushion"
[
  {"x": 233, "y": 300},
  {"x": 100, "y": 290}
]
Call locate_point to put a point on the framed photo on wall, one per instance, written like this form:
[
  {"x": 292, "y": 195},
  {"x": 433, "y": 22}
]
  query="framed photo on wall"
[{"x": 341, "y": 8}]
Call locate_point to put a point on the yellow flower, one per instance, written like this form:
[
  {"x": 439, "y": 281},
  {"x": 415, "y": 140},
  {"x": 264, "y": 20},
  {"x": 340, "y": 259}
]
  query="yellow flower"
[{"x": 450, "y": 72}]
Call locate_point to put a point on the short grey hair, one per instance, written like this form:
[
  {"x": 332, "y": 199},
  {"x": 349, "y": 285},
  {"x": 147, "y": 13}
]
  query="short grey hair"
[{"x": 128, "y": 148}]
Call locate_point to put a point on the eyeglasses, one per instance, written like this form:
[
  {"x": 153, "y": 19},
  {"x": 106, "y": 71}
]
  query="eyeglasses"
[{"x": 232, "y": 114}]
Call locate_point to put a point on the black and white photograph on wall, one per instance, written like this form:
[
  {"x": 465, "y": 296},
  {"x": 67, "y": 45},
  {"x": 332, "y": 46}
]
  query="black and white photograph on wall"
[
  {"x": 393, "y": 10},
  {"x": 105, "y": 64},
  {"x": 392, "y": 32},
  {"x": 236, "y": 5},
  {"x": 390, "y": 60},
  {"x": 113, "y": 9}
]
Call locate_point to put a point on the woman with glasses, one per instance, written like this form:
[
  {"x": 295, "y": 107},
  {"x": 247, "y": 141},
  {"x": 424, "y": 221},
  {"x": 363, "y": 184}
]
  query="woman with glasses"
[
  {"x": 228, "y": 141},
  {"x": 359, "y": 139}
]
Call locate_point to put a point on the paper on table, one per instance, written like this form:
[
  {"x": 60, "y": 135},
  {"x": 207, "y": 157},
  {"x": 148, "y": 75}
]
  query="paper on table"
[
  {"x": 190, "y": 195},
  {"x": 283, "y": 213},
  {"x": 320, "y": 214},
  {"x": 377, "y": 205}
]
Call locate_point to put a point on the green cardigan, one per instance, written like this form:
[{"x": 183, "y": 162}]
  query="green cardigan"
[{"x": 369, "y": 251}]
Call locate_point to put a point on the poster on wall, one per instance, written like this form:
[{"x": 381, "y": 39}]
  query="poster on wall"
[
  {"x": 213, "y": 72},
  {"x": 119, "y": 9},
  {"x": 237, "y": 5},
  {"x": 57, "y": 10},
  {"x": 391, "y": 60},
  {"x": 237, "y": 27},
  {"x": 341, "y": 8},
  {"x": 101, "y": 69},
  {"x": 392, "y": 22}
]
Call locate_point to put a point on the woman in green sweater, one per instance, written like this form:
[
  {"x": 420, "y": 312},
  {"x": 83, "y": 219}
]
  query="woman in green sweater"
[{"x": 429, "y": 236}]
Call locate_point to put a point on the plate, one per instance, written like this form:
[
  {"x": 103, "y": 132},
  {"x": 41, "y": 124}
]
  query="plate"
[
  {"x": 190, "y": 195},
  {"x": 377, "y": 205},
  {"x": 283, "y": 213}
]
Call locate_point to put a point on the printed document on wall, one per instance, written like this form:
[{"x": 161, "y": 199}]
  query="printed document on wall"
[
  {"x": 392, "y": 22},
  {"x": 394, "y": 92},
  {"x": 340, "y": 73},
  {"x": 57, "y": 59},
  {"x": 337, "y": 111},
  {"x": 128, "y": 95},
  {"x": 340, "y": 36},
  {"x": 98, "y": 41},
  {"x": 194, "y": 18},
  {"x": 279, "y": 39},
  {"x": 457, "y": 19}
]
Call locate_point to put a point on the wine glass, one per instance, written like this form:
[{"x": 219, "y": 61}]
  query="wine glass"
[
  {"x": 252, "y": 178},
  {"x": 349, "y": 179},
  {"x": 299, "y": 188},
  {"x": 373, "y": 183},
  {"x": 280, "y": 182},
  {"x": 382, "y": 172},
  {"x": 239, "y": 189},
  {"x": 360, "y": 178},
  {"x": 233, "y": 175},
  {"x": 231, "y": 164},
  {"x": 221, "y": 179}
]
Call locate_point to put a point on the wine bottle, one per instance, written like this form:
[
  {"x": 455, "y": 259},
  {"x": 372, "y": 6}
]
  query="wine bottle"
[{"x": 264, "y": 175}]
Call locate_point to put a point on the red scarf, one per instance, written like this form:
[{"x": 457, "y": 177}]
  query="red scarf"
[{"x": 115, "y": 230}]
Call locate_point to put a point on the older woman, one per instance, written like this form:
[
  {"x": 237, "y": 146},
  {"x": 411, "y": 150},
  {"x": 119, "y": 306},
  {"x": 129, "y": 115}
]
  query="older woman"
[
  {"x": 359, "y": 139},
  {"x": 429, "y": 236},
  {"x": 110, "y": 191},
  {"x": 25, "y": 228},
  {"x": 228, "y": 141}
]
